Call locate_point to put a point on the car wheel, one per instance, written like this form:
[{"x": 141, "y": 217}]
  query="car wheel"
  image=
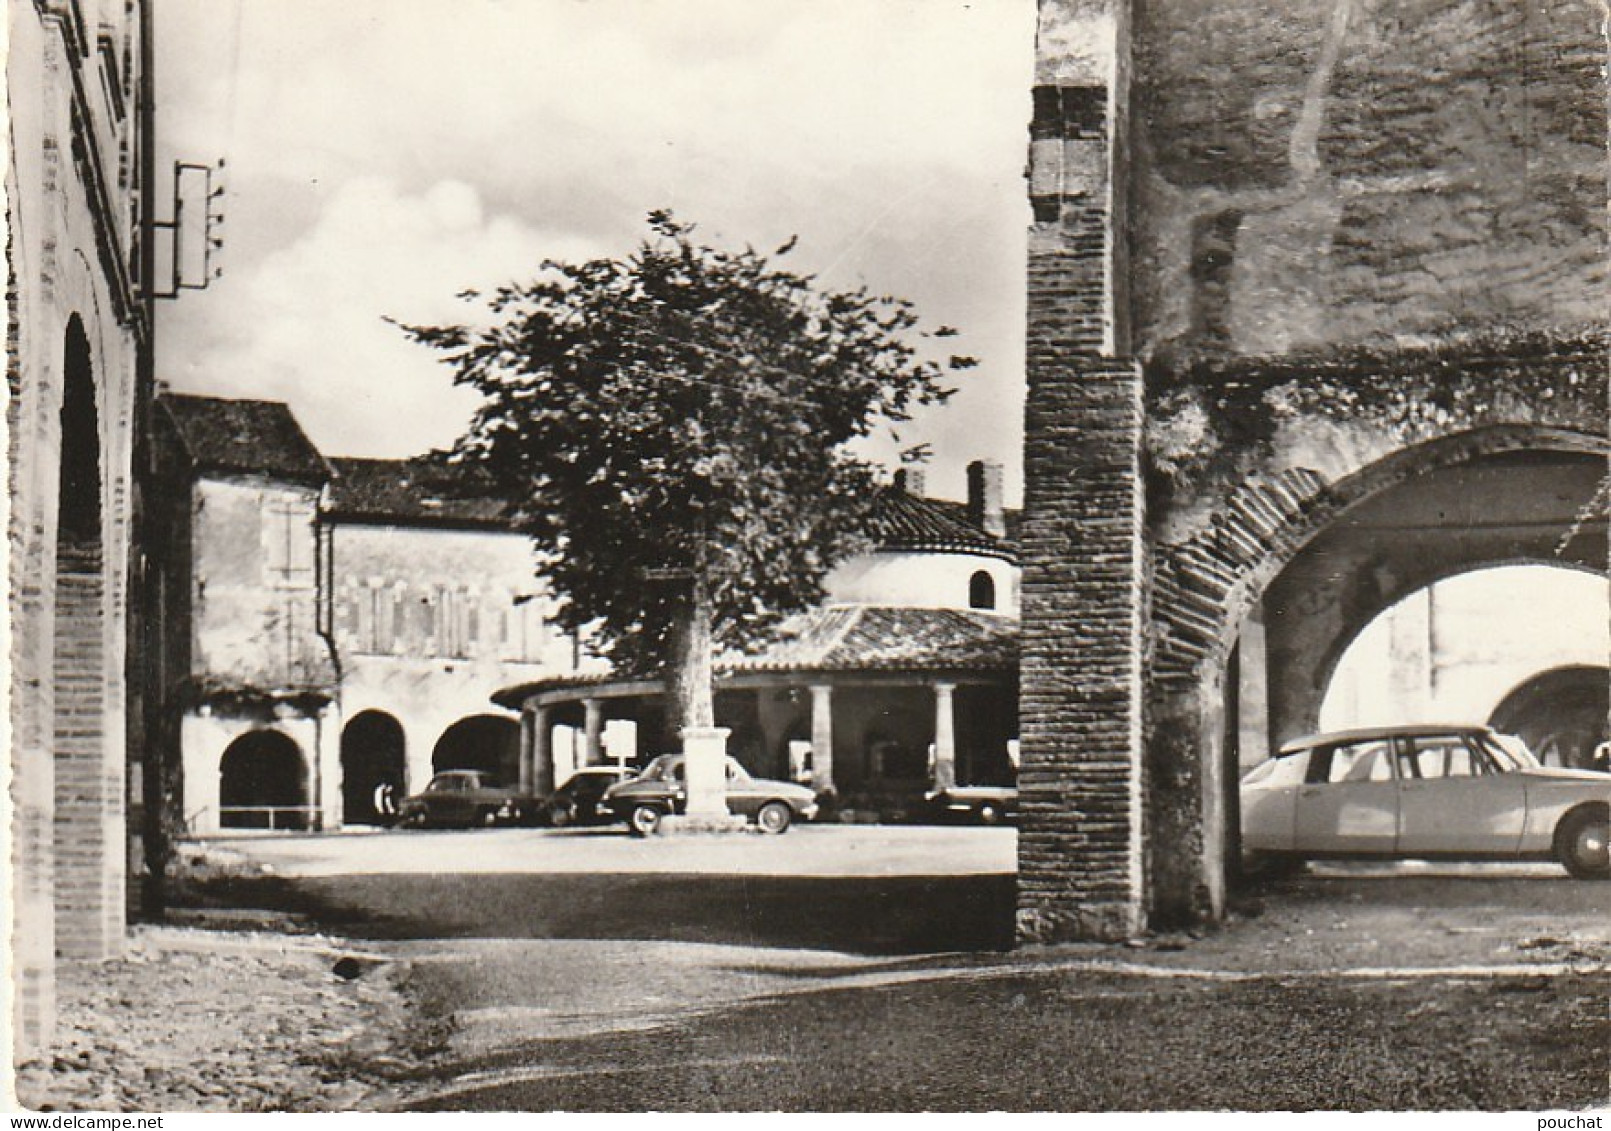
[
  {"x": 562, "y": 816},
  {"x": 645, "y": 820},
  {"x": 1580, "y": 843},
  {"x": 411, "y": 821},
  {"x": 774, "y": 817}
]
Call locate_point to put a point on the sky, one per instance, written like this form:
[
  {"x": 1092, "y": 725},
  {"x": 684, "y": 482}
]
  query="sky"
[{"x": 384, "y": 155}]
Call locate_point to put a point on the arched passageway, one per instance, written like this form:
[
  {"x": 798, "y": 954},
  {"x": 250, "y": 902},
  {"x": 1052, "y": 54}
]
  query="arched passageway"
[
  {"x": 1560, "y": 714},
  {"x": 1301, "y": 592},
  {"x": 374, "y": 772},
  {"x": 490, "y": 743},
  {"x": 263, "y": 783}
]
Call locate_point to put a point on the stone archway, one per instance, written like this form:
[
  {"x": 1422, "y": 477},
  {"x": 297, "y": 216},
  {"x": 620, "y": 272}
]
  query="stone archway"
[
  {"x": 373, "y": 759},
  {"x": 263, "y": 783}
]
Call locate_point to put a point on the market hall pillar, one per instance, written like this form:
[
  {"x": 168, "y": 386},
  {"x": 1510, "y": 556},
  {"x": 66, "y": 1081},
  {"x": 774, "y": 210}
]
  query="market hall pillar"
[{"x": 822, "y": 738}]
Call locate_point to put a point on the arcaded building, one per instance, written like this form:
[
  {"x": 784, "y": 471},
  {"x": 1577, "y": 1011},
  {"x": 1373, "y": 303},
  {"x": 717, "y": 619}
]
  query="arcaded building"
[
  {"x": 904, "y": 678},
  {"x": 77, "y": 381},
  {"x": 336, "y": 627},
  {"x": 1317, "y": 319}
]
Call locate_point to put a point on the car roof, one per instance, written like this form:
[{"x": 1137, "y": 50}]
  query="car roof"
[{"x": 1366, "y": 734}]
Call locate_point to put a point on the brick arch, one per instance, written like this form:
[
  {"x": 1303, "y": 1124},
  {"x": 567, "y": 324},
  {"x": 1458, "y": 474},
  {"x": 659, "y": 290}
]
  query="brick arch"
[
  {"x": 1204, "y": 586},
  {"x": 1203, "y": 589}
]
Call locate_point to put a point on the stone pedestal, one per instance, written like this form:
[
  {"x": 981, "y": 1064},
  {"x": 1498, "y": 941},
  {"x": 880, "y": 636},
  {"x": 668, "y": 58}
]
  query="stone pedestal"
[
  {"x": 704, "y": 751},
  {"x": 688, "y": 824}
]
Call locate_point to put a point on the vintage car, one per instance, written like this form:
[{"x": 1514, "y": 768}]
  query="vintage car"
[
  {"x": 661, "y": 790},
  {"x": 986, "y": 804},
  {"x": 1424, "y": 792},
  {"x": 463, "y": 798},
  {"x": 577, "y": 801}
]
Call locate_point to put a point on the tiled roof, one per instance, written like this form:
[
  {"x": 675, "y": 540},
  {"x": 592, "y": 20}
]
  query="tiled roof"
[
  {"x": 421, "y": 490},
  {"x": 903, "y": 521},
  {"x": 878, "y": 638},
  {"x": 252, "y": 437}
]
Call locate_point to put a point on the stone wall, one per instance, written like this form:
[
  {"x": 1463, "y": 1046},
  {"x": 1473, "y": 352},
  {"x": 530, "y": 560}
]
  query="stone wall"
[{"x": 1326, "y": 172}]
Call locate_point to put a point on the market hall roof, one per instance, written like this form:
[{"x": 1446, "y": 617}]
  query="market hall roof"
[
  {"x": 903, "y": 521},
  {"x": 419, "y": 491},
  {"x": 244, "y": 437},
  {"x": 842, "y": 640}
]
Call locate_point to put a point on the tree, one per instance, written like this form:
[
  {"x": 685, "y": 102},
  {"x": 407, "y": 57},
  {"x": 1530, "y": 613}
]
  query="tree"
[{"x": 673, "y": 430}]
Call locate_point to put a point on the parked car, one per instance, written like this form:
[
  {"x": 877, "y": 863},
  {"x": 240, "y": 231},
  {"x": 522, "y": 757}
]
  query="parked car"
[
  {"x": 660, "y": 790},
  {"x": 1424, "y": 792},
  {"x": 463, "y": 798},
  {"x": 576, "y": 802},
  {"x": 986, "y": 804}
]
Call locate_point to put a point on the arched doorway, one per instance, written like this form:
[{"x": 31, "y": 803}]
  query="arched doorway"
[
  {"x": 263, "y": 783},
  {"x": 372, "y": 762},
  {"x": 481, "y": 742},
  {"x": 87, "y": 783},
  {"x": 1560, "y": 714}
]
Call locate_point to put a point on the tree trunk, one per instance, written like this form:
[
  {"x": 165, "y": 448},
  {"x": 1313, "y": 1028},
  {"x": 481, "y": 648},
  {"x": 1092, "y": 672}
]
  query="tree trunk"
[{"x": 693, "y": 700}]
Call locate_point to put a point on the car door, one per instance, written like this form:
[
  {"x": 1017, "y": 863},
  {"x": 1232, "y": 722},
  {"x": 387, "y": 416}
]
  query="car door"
[
  {"x": 447, "y": 801},
  {"x": 1454, "y": 800},
  {"x": 1269, "y": 797},
  {"x": 1348, "y": 802},
  {"x": 744, "y": 797}
]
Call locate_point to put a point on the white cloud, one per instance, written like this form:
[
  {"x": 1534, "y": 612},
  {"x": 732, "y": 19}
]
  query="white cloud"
[
  {"x": 306, "y": 323},
  {"x": 889, "y": 135}
]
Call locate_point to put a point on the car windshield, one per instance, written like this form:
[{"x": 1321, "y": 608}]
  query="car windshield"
[
  {"x": 661, "y": 769},
  {"x": 1510, "y": 753}
]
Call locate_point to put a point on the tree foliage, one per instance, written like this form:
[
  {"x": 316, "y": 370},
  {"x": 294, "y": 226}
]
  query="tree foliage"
[{"x": 673, "y": 429}]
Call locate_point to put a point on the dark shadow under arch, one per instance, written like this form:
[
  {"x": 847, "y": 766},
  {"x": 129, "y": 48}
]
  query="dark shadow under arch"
[
  {"x": 373, "y": 761},
  {"x": 263, "y": 783},
  {"x": 490, "y": 743},
  {"x": 1561, "y": 714}
]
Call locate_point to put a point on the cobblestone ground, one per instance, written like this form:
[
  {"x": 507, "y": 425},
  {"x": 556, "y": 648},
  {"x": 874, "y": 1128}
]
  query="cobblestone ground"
[{"x": 194, "y": 1021}]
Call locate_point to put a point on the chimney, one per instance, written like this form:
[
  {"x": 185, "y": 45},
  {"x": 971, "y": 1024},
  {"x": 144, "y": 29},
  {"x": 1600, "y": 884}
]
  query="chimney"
[
  {"x": 910, "y": 480},
  {"x": 985, "y": 507}
]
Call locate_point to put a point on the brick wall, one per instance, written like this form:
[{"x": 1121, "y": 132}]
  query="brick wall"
[{"x": 89, "y": 786}]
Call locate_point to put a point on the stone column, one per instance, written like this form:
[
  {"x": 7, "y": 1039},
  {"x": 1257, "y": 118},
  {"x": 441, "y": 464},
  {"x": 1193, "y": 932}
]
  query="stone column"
[
  {"x": 593, "y": 732},
  {"x": 822, "y": 738},
  {"x": 542, "y": 751},
  {"x": 945, "y": 736}
]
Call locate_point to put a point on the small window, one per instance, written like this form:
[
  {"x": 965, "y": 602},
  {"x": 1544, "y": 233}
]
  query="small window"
[{"x": 982, "y": 591}]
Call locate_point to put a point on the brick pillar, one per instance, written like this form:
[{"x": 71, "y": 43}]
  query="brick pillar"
[
  {"x": 89, "y": 821},
  {"x": 1080, "y": 863}
]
